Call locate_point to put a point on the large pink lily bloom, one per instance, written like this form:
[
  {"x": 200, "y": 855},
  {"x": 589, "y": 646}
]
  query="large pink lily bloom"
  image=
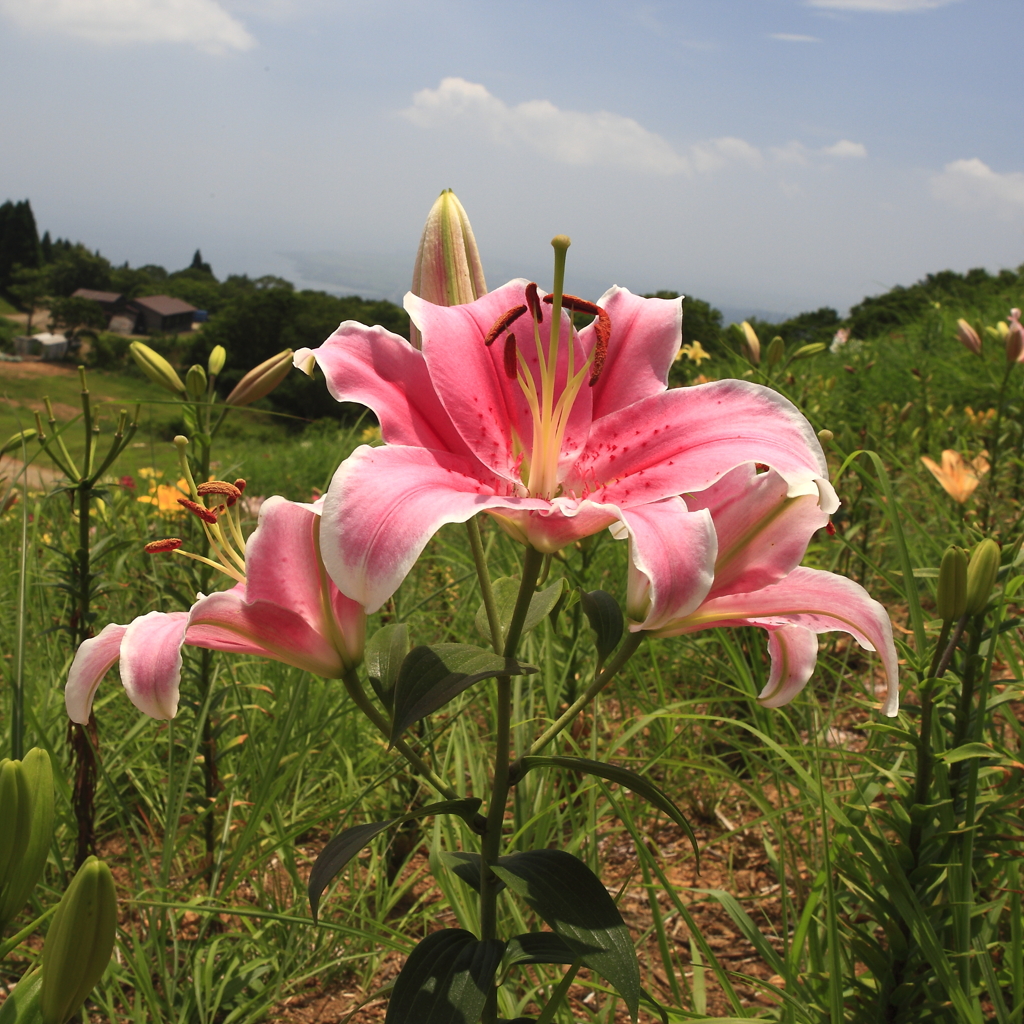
[
  {"x": 763, "y": 528},
  {"x": 286, "y": 609},
  {"x": 555, "y": 440}
]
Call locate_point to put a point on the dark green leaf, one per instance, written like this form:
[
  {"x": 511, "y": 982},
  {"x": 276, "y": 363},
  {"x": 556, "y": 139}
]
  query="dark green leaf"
[
  {"x": 345, "y": 845},
  {"x": 467, "y": 867},
  {"x": 540, "y": 948},
  {"x": 506, "y": 591},
  {"x": 446, "y": 979},
  {"x": 431, "y": 676},
  {"x": 639, "y": 784},
  {"x": 605, "y": 618},
  {"x": 577, "y": 907},
  {"x": 384, "y": 653}
]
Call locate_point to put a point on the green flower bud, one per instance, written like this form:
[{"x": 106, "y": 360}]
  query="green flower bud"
[
  {"x": 952, "y": 596},
  {"x": 22, "y": 1003},
  {"x": 37, "y": 775},
  {"x": 806, "y": 351},
  {"x": 79, "y": 942},
  {"x": 195, "y": 382},
  {"x": 15, "y": 441},
  {"x": 15, "y": 813},
  {"x": 776, "y": 350},
  {"x": 981, "y": 575},
  {"x": 448, "y": 271},
  {"x": 216, "y": 361},
  {"x": 825, "y": 435},
  {"x": 156, "y": 368},
  {"x": 261, "y": 380}
]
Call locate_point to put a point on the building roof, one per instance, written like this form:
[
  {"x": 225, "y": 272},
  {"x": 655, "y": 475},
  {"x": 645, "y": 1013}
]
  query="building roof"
[
  {"x": 164, "y": 305},
  {"x": 88, "y": 293}
]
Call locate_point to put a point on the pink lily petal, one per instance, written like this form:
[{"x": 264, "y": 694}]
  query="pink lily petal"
[
  {"x": 486, "y": 406},
  {"x": 818, "y": 601},
  {"x": 91, "y": 664},
  {"x": 646, "y": 335},
  {"x": 226, "y": 621},
  {"x": 672, "y": 558},
  {"x": 687, "y": 438},
  {"x": 794, "y": 653},
  {"x": 383, "y": 371},
  {"x": 151, "y": 662},
  {"x": 763, "y": 527},
  {"x": 372, "y": 534}
]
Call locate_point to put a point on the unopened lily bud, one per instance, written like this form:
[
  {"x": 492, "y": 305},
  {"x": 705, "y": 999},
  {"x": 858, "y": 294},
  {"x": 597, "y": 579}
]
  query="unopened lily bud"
[
  {"x": 981, "y": 575},
  {"x": 37, "y": 775},
  {"x": 825, "y": 436},
  {"x": 968, "y": 336},
  {"x": 261, "y": 380},
  {"x": 195, "y": 382},
  {"x": 806, "y": 351},
  {"x": 15, "y": 441},
  {"x": 751, "y": 343},
  {"x": 156, "y": 368},
  {"x": 1014, "y": 343},
  {"x": 776, "y": 350},
  {"x": 905, "y": 412},
  {"x": 216, "y": 361},
  {"x": 79, "y": 942},
  {"x": 448, "y": 271},
  {"x": 15, "y": 814},
  {"x": 952, "y": 594}
]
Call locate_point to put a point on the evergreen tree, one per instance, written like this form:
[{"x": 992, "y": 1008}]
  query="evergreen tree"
[
  {"x": 198, "y": 264},
  {"x": 19, "y": 240}
]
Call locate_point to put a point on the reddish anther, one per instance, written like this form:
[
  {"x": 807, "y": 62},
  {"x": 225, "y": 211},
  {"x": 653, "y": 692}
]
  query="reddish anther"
[
  {"x": 240, "y": 484},
  {"x": 533, "y": 301},
  {"x": 511, "y": 357},
  {"x": 219, "y": 487},
  {"x": 602, "y": 327},
  {"x": 830, "y": 528},
  {"x": 156, "y": 547},
  {"x": 208, "y": 515},
  {"x": 503, "y": 323}
]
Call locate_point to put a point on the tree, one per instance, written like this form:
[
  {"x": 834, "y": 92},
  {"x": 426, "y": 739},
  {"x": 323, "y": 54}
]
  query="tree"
[
  {"x": 198, "y": 264},
  {"x": 76, "y": 315},
  {"x": 28, "y": 286},
  {"x": 76, "y": 267},
  {"x": 19, "y": 240}
]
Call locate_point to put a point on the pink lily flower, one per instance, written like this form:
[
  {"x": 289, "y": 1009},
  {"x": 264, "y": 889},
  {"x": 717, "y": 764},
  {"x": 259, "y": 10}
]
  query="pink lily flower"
[
  {"x": 763, "y": 527},
  {"x": 555, "y": 438},
  {"x": 284, "y": 607}
]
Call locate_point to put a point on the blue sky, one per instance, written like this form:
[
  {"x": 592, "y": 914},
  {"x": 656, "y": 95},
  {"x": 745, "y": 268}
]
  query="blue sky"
[{"x": 769, "y": 155}]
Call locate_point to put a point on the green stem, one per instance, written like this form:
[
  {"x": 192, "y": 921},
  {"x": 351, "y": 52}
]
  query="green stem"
[
  {"x": 476, "y": 545},
  {"x": 995, "y": 449},
  {"x": 358, "y": 695},
  {"x": 491, "y": 846}
]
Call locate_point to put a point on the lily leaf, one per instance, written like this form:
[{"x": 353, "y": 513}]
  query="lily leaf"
[
  {"x": 506, "y": 591},
  {"x": 346, "y": 844},
  {"x": 540, "y": 948},
  {"x": 605, "y": 618},
  {"x": 446, "y": 979},
  {"x": 385, "y": 651},
  {"x": 639, "y": 784},
  {"x": 575, "y": 904},
  {"x": 432, "y": 676}
]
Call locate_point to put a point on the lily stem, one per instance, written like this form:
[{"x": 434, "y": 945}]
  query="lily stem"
[{"x": 533, "y": 561}]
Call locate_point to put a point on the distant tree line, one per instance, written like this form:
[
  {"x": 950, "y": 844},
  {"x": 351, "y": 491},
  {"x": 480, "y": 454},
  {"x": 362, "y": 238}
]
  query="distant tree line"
[{"x": 254, "y": 318}]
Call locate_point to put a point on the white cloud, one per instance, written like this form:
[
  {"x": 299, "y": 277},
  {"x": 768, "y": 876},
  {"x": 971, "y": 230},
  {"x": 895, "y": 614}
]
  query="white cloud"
[
  {"x": 789, "y": 37},
  {"x": 201, "y": 23},
  {"x": 571, "y": 136},
  {"x": 880, "y": 5},
  {"x": 972, "y": 185},
  {"x": 845, "y": 148},
  {"x": 791, "y": 153},
  {"x": 567, "y": 136}
]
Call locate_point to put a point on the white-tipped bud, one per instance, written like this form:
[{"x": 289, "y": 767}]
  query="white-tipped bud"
[
  {"x": 751, "y": 344},
  {"x": 261, "y": 380},
  {"x": 448, "y": 271},
  {"x": 968, "y": 336}
]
